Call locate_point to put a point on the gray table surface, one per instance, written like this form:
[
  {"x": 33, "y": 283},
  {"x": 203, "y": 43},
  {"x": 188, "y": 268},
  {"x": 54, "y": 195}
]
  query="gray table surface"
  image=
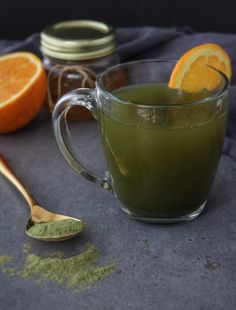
[{"x": 177, "y": 267}]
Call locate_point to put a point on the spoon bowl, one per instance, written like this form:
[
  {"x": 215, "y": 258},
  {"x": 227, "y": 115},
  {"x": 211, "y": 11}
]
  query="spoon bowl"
[{"x": 38, "y": 215}]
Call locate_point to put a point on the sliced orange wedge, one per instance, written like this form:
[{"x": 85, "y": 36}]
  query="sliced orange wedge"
[
  {"x": 192, "y": 72},
  {"x": 22, "y": 89}
]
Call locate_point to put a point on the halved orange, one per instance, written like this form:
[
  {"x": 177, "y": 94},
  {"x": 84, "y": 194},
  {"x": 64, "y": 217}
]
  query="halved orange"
[
  {"x": 22, "y": 89},
  {"x": 191, "y": 72}
]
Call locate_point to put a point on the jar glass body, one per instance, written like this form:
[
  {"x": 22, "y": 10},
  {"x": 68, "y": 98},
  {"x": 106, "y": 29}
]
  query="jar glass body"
[{"x": 67, "y": 75}]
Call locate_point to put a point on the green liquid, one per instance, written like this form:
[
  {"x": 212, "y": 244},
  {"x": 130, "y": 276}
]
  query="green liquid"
[{"x": 162, "y": 162}]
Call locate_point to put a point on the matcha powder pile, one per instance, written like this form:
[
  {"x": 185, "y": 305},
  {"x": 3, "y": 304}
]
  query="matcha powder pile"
[
  {"x": 4, "y": 260},
  {"x": 74, "y": 272}
]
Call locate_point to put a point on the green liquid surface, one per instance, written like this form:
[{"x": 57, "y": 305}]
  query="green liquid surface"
[{"x": 162, "y": 162}]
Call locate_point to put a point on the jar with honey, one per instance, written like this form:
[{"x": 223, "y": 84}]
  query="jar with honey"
[{"x": 74, "y": 53}]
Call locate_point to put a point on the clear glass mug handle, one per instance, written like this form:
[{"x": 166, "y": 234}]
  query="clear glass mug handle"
[{"x": 86, "y": 98}]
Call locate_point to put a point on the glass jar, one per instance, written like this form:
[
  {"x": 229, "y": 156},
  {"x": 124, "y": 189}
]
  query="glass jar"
[{"x": 74, "y": 53}]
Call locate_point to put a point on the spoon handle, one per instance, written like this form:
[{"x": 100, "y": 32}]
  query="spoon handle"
[{"x": 6, "y": 170}]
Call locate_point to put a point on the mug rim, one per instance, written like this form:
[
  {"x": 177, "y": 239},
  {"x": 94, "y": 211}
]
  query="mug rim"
[{"x": 219, "y": 94}]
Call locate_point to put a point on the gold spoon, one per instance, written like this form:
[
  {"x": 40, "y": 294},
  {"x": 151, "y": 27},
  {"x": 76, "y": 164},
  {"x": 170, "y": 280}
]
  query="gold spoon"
[{"x": 38, "y": 214}]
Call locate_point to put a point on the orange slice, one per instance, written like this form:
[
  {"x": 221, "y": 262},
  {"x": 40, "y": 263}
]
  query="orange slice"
[
  {"x": 191, "y": 72},
  {"x": 22, "y": 89}
]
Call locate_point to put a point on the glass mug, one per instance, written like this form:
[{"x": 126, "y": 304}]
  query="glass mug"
[{"x": 162, "y": 154}]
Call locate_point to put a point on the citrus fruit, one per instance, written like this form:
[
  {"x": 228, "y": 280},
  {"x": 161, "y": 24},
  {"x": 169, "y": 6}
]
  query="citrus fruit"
[
  {"x": 22, "y": 89},
  {"x": 193, "y": 73}
]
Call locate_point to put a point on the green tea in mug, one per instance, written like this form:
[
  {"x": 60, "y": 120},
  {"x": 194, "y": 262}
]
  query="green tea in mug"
[{"x": 164, "y": 167}]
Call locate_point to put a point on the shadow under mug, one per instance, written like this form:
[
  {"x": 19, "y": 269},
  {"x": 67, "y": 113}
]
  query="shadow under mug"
[{"x": 161, "y": 158}]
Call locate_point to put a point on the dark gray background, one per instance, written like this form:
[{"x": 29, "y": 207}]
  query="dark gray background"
[{"x": 19, "y": 19}]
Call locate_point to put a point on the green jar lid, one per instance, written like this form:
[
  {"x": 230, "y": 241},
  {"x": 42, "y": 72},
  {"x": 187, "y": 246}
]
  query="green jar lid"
[{"x": 78, "y": 40}]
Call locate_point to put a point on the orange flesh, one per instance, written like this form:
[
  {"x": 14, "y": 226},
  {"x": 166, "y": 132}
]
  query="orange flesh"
[
  {"x": 192, "y": 72},
  {"x": 22, "y": 89}
]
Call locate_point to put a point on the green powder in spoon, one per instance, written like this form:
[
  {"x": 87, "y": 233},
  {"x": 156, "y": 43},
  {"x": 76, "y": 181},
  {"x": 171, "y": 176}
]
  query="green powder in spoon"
[{"x": 56, "y": 228}]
